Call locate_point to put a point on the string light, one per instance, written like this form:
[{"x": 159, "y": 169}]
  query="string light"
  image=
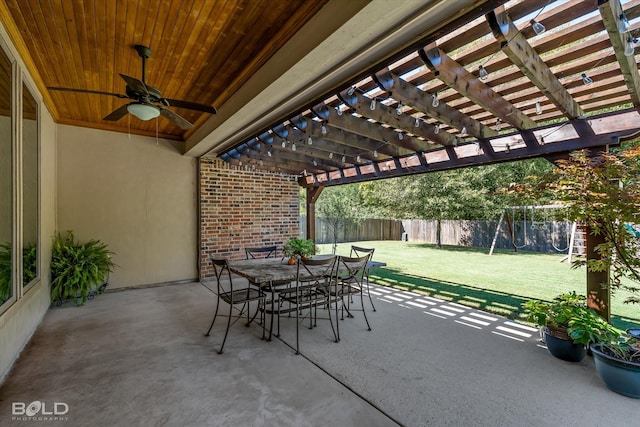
[
  {"x": 629, "y": 48},
  {"x": 538, "y": 28},
  {"x": 538, "y": 108},
  {"x": 483, "y": 73},
  {"x": 434, "y": 100},
  {"x": 372, "y": 106},
  {"x": 623, "y": 23},
  {"x": 586, "y": 79}
]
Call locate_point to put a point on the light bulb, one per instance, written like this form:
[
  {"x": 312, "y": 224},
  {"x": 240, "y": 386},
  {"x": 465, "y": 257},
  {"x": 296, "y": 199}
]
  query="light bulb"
[
  {"x": 304, "y": 172},
  {"x": 436, "y": 128},
  {"x": 538, "y": 108},
  {"x": 416, "y": 124},
  {"x": 586, "y": 79},
  {"x": 399, "y": 108},
  {"x": 629, "y": 48},
  {"x": 463, "y": 132},
  {"x": 375, "y": 153},
  {"x": 538, "y": 28},
  {"x": 309, "y": 140},
  {"x": 339, "y": 111},
  {"x": 482, "y": 73},
  {"x": 372, "y": 106},
  {"x": 344, "y": 159},
  {"x": 435, "y": 101},
  {"x": 293, "y": 146},
  {"x": 351, "y": 90},
  {"x": 284, "y": 143},
  {"x": 623, "y": 23},
  {"x": 358, "y": 158},
  {"x": 331, "y": 155},
  {"x": 315, "y": 163},
  {"x": 498, "y": 124},
  {"x": 400, "y": 136},
  {"x": 323, "y": 129}
]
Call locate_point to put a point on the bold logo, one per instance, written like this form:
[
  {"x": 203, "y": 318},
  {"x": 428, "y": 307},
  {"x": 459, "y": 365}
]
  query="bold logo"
[{"x": 38, "y": 410}]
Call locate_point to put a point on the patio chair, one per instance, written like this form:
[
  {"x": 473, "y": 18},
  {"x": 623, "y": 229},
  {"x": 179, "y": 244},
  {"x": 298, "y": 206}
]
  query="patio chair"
[
  {"x": 351, "y": 281},
  {"x": 264, "y": 252},
  {"x": 233, "y": 296},
  {"x": 314, "y": 279},
  {"x": 357, "y": 251}
]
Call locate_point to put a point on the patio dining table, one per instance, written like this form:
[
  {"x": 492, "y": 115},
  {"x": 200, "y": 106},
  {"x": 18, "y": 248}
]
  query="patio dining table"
[{"x": 271, "y": 273}]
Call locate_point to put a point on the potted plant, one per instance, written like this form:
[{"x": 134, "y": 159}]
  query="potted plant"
[
  {"x": 296, "y": 248},
  {"x": 78, "y": 270},
  {"x": 618, "y": 364},
  {"x": 568, "y": 325}
]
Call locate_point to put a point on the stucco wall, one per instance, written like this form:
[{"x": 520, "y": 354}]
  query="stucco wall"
[{"x": 135, "y": 194}]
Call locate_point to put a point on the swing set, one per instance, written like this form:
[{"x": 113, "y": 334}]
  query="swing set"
[{"x": 532, "y": 218}]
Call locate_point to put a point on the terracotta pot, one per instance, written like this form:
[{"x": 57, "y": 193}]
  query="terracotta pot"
[{"x": 292, "y": 261}]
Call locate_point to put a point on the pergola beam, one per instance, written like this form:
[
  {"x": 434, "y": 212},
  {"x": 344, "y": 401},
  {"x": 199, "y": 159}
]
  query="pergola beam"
[
  {"x": 610, "y": 12},
  {"x": 457, "y": 77},
  {"x": 520, "y": 52}
]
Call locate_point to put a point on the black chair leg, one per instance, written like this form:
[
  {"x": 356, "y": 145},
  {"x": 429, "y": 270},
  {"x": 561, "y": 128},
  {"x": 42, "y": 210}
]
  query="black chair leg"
[{"x": 215, "y": 314}]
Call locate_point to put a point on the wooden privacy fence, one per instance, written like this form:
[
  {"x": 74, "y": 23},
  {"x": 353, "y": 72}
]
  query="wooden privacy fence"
[{"x": 544, "y": 237}]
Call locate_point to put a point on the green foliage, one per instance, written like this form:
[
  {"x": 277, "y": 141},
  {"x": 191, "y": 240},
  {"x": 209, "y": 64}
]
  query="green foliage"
[
  {"x": 342, "y": 207},
  {"x": 29, "y": 265},
  {"x": 295, "y": 247},
  {"x": 76, "y": 269},
  {"x": 5, "y": 272},
  {"x": 603, "y": 192},
  {"x": 570, "y": 311}
]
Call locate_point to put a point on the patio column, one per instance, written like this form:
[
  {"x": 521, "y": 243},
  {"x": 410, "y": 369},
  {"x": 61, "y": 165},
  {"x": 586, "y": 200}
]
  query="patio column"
[
  {"x": 598, "y": 296},
  {"x": 312, "y": 196}
]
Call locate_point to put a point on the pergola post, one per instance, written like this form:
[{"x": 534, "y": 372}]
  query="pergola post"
[
  {"x": 598, "y": 291},
  {"x": 312, "y": 196}
]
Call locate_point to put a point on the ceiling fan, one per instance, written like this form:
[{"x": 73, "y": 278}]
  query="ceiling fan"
[{"x": 148, "y": 102}]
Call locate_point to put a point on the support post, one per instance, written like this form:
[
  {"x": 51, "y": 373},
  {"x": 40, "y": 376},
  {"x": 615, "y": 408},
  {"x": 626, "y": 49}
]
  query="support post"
[
  {"x": 598, "y": 290},
  {"x": 312, "y": 196}
]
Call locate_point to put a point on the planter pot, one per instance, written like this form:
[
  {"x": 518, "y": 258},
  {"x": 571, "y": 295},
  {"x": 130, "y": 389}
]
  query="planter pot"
[
  {"x": 618, "y": 375},
  {"x": 560, "y": 345}
]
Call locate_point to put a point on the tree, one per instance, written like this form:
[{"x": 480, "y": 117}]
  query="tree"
[
  {"x": 603, "y": 192},
  {"x": 469, "y": 193},
  {"x": 341, "y": 207}
]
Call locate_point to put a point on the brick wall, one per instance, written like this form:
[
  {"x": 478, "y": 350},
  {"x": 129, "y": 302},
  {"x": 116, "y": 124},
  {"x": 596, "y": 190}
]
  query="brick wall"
[{"x": 241, "y": 207}]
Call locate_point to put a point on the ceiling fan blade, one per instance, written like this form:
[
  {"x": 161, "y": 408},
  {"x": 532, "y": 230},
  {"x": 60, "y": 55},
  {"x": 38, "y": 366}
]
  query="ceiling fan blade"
[
  {"x": 117, "y": 114},
  {"x": 180, "y": 121},
  {"x": 135, "y": 84},
  {"x": 97, "y": 92},
  {"x": 191, "y": 105}
]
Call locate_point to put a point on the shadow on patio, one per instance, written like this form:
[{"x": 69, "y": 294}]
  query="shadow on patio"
[{"x": 139, "y": 357}]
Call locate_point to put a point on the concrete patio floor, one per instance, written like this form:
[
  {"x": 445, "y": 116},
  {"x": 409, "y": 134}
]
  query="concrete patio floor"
[{"x": 139, "y": 357}]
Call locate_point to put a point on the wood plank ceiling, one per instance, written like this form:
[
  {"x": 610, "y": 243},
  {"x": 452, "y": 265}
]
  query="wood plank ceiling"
[
  {"x": 575, "y": 85},
  {"x": 202, "y": 51}
]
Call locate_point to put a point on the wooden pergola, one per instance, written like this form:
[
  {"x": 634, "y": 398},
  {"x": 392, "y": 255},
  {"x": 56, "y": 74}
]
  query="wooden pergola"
[{"x": 490, "y": 87}]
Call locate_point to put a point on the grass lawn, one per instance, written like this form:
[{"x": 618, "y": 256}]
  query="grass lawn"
[{"x": 498, "y": 284}]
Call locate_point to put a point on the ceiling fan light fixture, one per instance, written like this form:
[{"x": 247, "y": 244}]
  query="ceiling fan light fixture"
[{"x": 143, "y": 111}]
